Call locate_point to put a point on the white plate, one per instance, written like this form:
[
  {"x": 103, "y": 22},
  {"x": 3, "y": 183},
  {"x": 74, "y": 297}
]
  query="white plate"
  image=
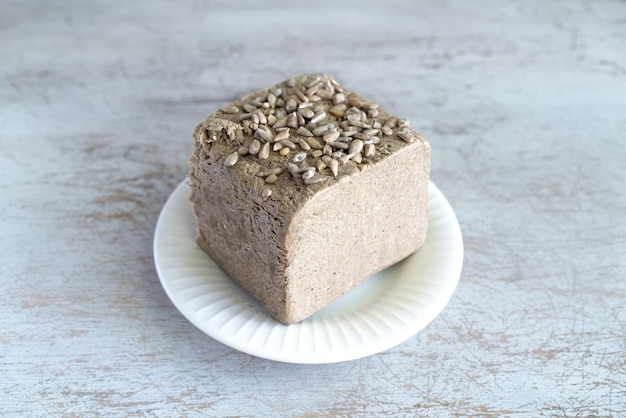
[{"x": 385, "y": 310}]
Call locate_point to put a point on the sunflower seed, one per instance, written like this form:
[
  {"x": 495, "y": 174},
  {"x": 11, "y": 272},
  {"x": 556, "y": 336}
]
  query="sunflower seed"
[
  {"x": 271, "y": 99},
  {"x": 313, "y": 81},
  {"x": 304, "y": 131},
  {"x": 376, "y": 125},
  {"x": 387, "y": 130},
  {"x": 271, "y": 120},
  {"x": 330, "y": 136},
  {"x": 307, "y": 113},
  {"x": 280, "y": 123},
  {"x": 325, "y": 94},
  {"x": 369, "y": 150},
  {"x": 312, "y": 90},
  {"x": 371, "y": 140},
  {"x": 277, "y": 146},
  {"x": 231, "y": 160},
  {"x": 356, "y": 146},
  {"x": 266, "y": 193},
  {"x": 328, "y": 149},
  {"x": 287, "y": 143},
  {"x": 318, "y": 116},
  {"x": 339, "y": 98},
  {"x": 300, "y": 156},
  {"x": 372, "y": 113},
  {"x": 405, "y": 136},
  {"x": 314, "y": 143},
  {"x": 355, "y": 101},
  {"x": 271, "y": 179},
  {"x": 269, "y": 171},
  {"x": 291, "y": 82},
  {"x": 293, "y": 169},
  {"x": 284, "y": 151},
  {"x": 345, "y": 158},
  {"x": 339, "y": 145},
  {"x": 338, "y": 110},
  {"x": 242, "y": 150},
  {"x": 320, "y": 130},
  {"x": 317, "y": 153},
  {"x": 264, "y": 153},
  {"x": 392, "y": 122},
  {"x": 319, "y": 165},
  {"x": 308, "y": 174},
  {"x": 403, "y": 122},
  {"x": 315, "y": 179},
  {"x": 359, "y": 124},
  {"x": 262, "y": 118},
  {"x": 362, "y": 136},
  {"x": 303, "y": 144},
  {"x": 231, "y": 108},
  {"x": 249, "y": 107},
  {"x": 263, "y": 134},
  {"x": 328, "y": 86},
  {"x": 300, "y": 119},
  {"x": 292, "y": 120},
  {"x": 291, "y": 104},
  {"x": 301, "y": 96},
  {"x": 284, "y": 134},
  {"x": 334, "y": 167},
  {"x": 371, "y": 132},
  {"x": 254, "y": 147}
]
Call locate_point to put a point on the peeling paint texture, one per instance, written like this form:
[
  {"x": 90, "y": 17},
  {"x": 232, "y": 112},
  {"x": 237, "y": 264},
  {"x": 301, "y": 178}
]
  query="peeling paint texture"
[{"x": 524, "y": 104}]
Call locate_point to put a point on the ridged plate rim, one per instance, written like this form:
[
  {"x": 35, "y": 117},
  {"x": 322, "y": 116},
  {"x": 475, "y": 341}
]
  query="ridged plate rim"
[{"x": 382, "y": 312}]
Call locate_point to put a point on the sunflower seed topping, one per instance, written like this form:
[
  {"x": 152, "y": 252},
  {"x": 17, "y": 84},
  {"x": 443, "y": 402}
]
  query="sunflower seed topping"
[
  {"x": 314, "y": 143},
  {"x": 231, "y": 108},
  {"x": 405, "y": 136},
  {"x": 330, "y": 136},
  {"x": 287, "y": 143},
  {"x": 264, "y": 153},
  {"x": 318, "y": 117},
  {"x": 232, "y": 159},
  {"x": 369, "y": 150},
  {"x": 254, "y": 147},
  {"x": 304, "y": 145},
  {"x": 300, "y": 156},
  {"x": 304, "y": 131},
  {"x": 310, "y": 126},
  {"x": 334, "y": 167}
]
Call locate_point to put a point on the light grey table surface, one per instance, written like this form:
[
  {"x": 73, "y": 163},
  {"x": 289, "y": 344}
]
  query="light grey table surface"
[{"x": 524, "y": 104}]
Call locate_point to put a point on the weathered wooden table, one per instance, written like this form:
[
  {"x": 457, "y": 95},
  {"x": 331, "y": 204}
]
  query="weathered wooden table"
[{"x": 524, "y": 104}]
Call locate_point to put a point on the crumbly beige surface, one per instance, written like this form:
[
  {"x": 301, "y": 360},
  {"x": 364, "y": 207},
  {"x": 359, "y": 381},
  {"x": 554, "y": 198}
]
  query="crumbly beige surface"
[{"x": 303, "y": 190}]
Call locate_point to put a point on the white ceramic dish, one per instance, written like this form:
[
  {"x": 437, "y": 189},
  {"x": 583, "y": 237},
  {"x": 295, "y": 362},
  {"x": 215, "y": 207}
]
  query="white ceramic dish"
[{"x": 385, "y": 310}]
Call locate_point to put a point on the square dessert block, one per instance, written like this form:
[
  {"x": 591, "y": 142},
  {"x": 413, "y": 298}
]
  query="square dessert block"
[{"x": 303, "y": 190}]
